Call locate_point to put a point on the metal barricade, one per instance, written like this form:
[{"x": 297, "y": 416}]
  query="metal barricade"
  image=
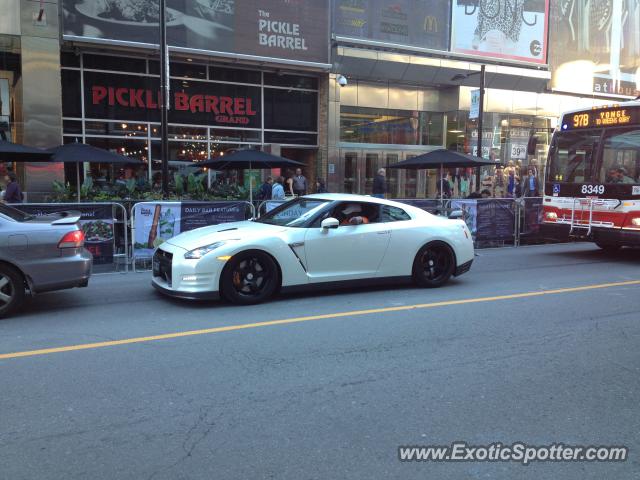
[
  {"x": 91, "y": 213},
  {"x": 154, "y": 222}
]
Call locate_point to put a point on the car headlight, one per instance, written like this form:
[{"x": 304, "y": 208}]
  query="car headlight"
[{"x": 200, "y": 252}]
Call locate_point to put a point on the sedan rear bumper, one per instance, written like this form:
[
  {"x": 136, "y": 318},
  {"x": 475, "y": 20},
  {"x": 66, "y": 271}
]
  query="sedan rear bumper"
[{"x": 61, "y": 273}]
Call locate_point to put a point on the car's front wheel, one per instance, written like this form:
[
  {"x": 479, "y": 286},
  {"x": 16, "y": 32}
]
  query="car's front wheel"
[
  {"x": 249, "y": 277},
  {"x": 11, "y": 290},
  {"x": 434, "y": 264}
]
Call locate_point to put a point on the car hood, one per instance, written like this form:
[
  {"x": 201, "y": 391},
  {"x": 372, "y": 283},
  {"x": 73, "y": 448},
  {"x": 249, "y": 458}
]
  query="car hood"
[{"x": 225, "y": 231}]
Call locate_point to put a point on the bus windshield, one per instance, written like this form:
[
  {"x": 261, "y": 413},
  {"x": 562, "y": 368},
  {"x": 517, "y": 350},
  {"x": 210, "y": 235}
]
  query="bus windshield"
[
  {"x": 573, "y": 155},
  {"x": 621, "y": 157}
]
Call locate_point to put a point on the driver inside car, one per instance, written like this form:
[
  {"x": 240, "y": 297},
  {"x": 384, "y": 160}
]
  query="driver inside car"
[{"x": 351, "y": 214}]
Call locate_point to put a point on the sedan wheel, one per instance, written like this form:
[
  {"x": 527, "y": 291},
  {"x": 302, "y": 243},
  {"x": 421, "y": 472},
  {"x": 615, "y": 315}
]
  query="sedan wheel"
[
  {"x": 249, "y": 278},
  {"x": 433, "y": 266},
  {"x": 11, "y": 290}
]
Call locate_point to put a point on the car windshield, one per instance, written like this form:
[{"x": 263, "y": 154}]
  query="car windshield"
[
  {"x": 295, "y": 213},
  {"x": 14, "y": 214}
]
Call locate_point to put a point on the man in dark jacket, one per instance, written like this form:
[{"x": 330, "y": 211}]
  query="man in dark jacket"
[
  {"x": 265, "y": 189},
  {"x": 380, "y": 184},
  {"x": 12, "y": 193}
]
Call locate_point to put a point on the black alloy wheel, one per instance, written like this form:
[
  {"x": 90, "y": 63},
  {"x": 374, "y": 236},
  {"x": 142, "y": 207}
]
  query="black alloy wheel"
[
  {"x": 11, "y": 290},
  {"x": 434, "y": 264},
  {"x": 249, "y": 278}
]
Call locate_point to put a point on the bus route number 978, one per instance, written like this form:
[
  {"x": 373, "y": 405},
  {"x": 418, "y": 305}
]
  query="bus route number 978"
[{"x": 592, "y": 189}]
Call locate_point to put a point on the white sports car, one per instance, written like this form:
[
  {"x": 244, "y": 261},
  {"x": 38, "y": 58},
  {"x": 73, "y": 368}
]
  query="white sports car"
[{"x": 315, "y": 240}]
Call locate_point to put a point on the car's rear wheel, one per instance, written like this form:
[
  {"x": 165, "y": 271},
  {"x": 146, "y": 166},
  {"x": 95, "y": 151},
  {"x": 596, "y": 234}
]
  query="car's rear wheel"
[
  {"x": 249, "y": 278},
  {"x": 11, "y": 290},
  {"x": 434, "y": 264}
]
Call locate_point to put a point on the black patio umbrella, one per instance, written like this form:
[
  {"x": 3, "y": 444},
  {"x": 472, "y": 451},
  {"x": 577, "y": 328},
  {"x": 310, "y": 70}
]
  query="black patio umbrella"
[
  {"x": 80, "y": 152},
  {"x": 251, "y": 159},
  {"x": 13, "y": 152},
  {"x": 442, "y": 158}
]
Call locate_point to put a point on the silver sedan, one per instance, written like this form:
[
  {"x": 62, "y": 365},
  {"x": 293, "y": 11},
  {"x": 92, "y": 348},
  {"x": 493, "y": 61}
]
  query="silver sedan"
[{"x": 40, "y": 254}]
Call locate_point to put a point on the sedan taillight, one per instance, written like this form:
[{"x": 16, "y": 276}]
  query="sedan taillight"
[{"x": 73, "y": 239}]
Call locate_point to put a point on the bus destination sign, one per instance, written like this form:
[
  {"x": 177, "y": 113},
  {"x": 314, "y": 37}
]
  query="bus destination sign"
[{"x": 602, "y": 117}]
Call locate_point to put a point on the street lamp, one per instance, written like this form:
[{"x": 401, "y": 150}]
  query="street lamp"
[
  {"x": 164, "y": 92},
  {"x": 461, "y": 76}
]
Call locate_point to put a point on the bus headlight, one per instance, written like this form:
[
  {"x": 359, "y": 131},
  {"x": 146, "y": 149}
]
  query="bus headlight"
[
  {"x": 553, "y": 216},
  {"x": 635, "y": 222}
]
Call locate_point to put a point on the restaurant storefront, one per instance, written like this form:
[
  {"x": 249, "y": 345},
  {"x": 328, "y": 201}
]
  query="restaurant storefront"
[
  {"x": 243, "y": 74},
  {"x": 113, "y": 102}
]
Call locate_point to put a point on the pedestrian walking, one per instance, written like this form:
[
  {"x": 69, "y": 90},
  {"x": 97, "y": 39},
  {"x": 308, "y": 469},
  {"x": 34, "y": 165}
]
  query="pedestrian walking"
[
  {"x": 320, "y": 186},
  {"x": 380, "y": 184},
  {"x": 277, "y": 190},
  {"x": 12, "y": 193},
  {"x": 266, "y": 189},
  {"x": 299, "y": 183}
]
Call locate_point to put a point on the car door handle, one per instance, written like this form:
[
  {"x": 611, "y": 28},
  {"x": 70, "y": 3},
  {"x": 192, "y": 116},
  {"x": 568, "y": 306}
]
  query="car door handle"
[{"x": 384, "y": 232}]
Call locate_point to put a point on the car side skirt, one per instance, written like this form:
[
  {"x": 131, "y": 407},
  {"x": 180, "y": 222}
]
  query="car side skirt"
[{"x": 344, "y": 284}]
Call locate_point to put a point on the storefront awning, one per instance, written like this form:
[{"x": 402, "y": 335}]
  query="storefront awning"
[{"x": 429, "y": 71}]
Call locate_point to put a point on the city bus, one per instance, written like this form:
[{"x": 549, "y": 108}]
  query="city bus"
[{"x": 592, "y": 177}]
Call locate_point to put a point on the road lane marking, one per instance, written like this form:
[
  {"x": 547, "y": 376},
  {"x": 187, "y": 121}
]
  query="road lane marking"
[{"x": 269, "y": 323}]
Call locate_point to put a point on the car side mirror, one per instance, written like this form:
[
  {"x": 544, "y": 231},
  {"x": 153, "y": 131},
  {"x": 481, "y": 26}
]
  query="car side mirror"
[
  {"x": 330, "y": 222},
  {"x": 456, "y": 215}
]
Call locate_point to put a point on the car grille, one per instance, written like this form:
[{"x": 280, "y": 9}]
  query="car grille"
[{"x": 162, "y": 265}]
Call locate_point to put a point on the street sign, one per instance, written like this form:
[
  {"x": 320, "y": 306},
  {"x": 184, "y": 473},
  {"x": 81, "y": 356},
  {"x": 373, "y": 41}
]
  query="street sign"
[{"x": 474, "y": 111}]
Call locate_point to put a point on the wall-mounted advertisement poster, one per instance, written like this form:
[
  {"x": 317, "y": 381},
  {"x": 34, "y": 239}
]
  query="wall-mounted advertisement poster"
[
  {"x": 157, "y": 222},
  {"x": 595, "y": 47},
  {"x": 286, "y": 29},
  {"x": 417, "y": 23},
  {"x": 504, "y": 29}
]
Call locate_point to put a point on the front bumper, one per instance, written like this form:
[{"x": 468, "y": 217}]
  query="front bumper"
[
  {"x": 184, "y": 295},
  {"x": 614, "y": 236},
  {"x": 175, "y": 276}
]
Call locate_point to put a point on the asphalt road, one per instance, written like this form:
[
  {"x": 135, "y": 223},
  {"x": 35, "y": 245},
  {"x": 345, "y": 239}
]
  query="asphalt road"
[{"x": 329, "y": 397}]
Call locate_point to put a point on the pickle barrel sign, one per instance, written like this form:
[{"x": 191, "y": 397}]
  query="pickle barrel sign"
[
  {"x": 279, "y": 29},
  {"x": 129, "y": 97}
]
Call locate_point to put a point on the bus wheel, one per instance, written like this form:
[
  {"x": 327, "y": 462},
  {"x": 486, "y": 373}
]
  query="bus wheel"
[{"x": 609, "y": 247}]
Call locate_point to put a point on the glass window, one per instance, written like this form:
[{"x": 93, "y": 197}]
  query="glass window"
[
  {"x": 69, "y": 59},
  {"x": 71, "y": 98},
  {"x": 187, "y": 70},
  {"x": 187, "y": 133},
  {"x": 187, "y": 151},
  {"x": 290, "y": 110},
  {"x": 394, "y": 214},
  {"x": 293, "y": 81},
  {"x": 14, "y": 214},
  {"x": 296, "y": 213},
  {"x": 120, "y": 129},
  {"x": 117, "y": 64},
  {"x": 388, "y": 126},
  {"x": 234, "y": 75},
  {"x": 72, "y": 126},
  {"x": 345, "y": 212},
  {"x": 572, "y": 156},
  {"x": 229, "y": 135},
  {"x": 290, "y": 138},
  {"x": 621, "y": 157}
]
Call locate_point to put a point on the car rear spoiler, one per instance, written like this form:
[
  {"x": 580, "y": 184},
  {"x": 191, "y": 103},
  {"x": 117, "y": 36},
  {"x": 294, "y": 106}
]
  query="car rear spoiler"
[{"x": 68, "y": 218}]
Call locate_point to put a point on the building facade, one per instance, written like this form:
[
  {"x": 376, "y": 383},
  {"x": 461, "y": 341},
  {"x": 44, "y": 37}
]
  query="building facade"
[{"x": 345, "y": 86}]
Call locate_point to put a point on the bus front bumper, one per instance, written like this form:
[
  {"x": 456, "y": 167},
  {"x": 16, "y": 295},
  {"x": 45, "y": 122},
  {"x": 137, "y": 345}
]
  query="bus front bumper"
[{"x": 601, "y": 235}]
